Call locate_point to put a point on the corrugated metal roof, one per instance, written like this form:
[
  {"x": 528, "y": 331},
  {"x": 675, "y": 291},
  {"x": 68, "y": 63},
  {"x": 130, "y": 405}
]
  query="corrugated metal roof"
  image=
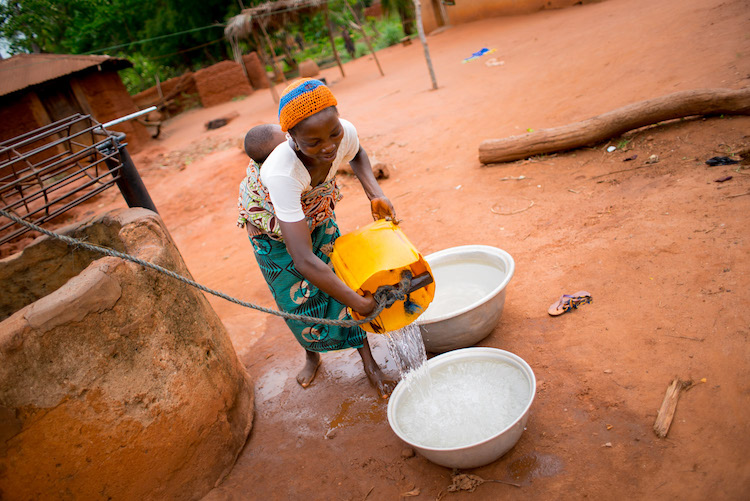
[{"x": 24, "y": 70}]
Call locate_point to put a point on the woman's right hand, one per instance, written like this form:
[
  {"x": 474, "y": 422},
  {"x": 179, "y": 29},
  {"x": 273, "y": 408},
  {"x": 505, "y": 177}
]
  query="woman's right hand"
[{"x": 366, "y": 305}]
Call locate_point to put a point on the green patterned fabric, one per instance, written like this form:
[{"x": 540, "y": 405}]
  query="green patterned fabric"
[{"x": 294, "y": 294}]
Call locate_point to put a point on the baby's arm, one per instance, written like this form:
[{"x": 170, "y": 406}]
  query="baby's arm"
[{"x": 380, "y": 205}]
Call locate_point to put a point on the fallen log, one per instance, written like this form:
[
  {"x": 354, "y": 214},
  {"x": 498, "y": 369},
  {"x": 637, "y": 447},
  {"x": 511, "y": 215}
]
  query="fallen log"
[{"x": 616, "y": 122}]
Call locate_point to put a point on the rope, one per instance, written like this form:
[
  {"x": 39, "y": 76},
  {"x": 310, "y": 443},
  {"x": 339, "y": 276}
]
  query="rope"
[{"x": 379, "y": 298}]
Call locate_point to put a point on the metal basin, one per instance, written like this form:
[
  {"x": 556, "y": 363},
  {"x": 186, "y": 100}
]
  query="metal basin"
[
  {"x": 470, "y": 284},
  {"x": 480, "y": 453}
]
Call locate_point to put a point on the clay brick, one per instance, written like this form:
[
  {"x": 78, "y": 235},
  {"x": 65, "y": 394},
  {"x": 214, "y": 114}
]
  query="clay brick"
[
  {"x": 221, "y": 82},
  {"x": 255, "y": 70}
]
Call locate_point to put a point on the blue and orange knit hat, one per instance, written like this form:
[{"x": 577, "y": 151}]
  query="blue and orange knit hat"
[{"x": 303, "y": 98}]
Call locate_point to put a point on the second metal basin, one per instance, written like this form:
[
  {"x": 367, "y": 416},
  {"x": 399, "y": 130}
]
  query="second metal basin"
[{"x": 470, "y": 283}]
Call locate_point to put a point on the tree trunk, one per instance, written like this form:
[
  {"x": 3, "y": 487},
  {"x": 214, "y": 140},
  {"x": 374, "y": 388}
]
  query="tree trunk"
[
  {"x": 613, "y": 123},
  {"x": 423, "y": 39},
  {"x": 358, "y": 26},
  {"x": 329, "y": 26}
]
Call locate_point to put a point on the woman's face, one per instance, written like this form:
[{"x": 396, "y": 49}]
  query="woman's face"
[{"x": 318, "y": 137}]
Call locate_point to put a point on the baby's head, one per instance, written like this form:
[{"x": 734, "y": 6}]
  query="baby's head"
[
  {"x": 261, "y": 140},
  {"x": 307, "y": 110}
]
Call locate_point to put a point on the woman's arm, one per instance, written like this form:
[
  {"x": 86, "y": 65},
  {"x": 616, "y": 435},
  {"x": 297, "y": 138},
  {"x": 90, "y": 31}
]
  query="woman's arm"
[
  {"x": 299, "y": 246},
  {"x": 380, "y": 205}
]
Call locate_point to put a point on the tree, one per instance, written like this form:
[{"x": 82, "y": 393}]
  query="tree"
[
  {"x": 405, "y": 11},
  {"x": 37, "y": 25},
  {"x": 154, "y": 34}
]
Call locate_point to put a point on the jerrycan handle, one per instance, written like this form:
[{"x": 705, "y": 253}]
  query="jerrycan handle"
[{"x": 392, "y": 293}]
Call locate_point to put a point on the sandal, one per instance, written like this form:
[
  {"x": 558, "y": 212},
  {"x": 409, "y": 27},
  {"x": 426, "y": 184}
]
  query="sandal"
[{"x": 568, "y": 302}]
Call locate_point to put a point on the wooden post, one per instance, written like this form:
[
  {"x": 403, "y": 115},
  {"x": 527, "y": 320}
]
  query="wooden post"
[
  {"x": 423, "y": 39},
  {"x": 158, "y": 89},
  {"x": 364, "y": 35},
  {"x": 333, "y": 43},
  {"x": 262, "y": 54},
  {"x": 162, "y": 102},
  {"x": 273, "y": 52},
  {"x": 288, "y": 52},
  {"x": 443, "y": 13}
]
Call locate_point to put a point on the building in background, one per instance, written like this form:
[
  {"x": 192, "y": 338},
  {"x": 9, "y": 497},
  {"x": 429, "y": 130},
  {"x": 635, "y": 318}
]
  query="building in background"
[
  {"x": 439, "y": 13},
  {"x": 39, "y": 89}
]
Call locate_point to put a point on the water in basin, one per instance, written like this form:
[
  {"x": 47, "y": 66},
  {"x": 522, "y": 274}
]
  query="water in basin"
[
  {"x": 464, "y": 402},
  {"x": 460, "y": 283}
]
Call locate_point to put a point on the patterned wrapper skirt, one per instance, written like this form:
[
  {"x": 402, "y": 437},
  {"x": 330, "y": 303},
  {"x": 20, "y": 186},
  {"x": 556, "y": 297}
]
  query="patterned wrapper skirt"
[{"x": 294, "y": 294}]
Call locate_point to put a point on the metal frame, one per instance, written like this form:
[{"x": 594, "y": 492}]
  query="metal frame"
[{"x": 48, "y": 171}]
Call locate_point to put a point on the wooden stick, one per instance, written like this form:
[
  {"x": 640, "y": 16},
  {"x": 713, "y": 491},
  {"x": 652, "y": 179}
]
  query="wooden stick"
[
  {"x": 492, "y": 209},
  {"x": 686, "y": 337},
  {"x": 276, "y": 69},
  {"x": 668, "y": 408},
  {"x": 367, "y": 39},
  {"x": 620, "y": 171},
  {"x": 262, "y": 55},
  {"x": 333, "y": 42},
  {"x": 423, "y": 39},
  {"x": 616, "y": 122}
]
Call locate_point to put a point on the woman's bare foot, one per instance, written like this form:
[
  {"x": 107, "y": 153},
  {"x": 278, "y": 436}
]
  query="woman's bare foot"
[
  {"x": 307, "y": 374},
  {"x": 384, "y": 386}
]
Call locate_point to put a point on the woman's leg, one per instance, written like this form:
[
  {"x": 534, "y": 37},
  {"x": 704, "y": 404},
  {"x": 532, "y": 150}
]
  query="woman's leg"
[
  {"x": 307, "y": 374},
  {"x": 384, "y": 386}
]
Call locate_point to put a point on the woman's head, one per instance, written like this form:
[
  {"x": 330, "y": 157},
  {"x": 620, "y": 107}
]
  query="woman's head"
[
  {"x": 302, "y": 99},
  {"x": 307, "y": 110}
]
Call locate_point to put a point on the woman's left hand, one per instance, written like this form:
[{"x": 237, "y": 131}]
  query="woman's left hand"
[{"x": 383, "y": 208}]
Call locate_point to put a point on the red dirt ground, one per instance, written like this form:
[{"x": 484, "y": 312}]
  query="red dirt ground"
[{"x": 663, "y": 249}]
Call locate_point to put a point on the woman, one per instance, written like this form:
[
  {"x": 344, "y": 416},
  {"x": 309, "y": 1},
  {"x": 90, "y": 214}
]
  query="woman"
[{"x": 288, "y": 208}]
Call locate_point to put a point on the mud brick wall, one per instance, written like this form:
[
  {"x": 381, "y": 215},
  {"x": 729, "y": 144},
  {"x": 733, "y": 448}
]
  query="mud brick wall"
[
  {"x": 181, "y": 91},
  {"x": 221, "y": 82},
  {"x": 464, "y": 12},
  {"x": 108, "y": 99},
  {"x": 21, "y": 112},
  {"x": 255, "y": 70},
  {"x": 374, "y": 11}
]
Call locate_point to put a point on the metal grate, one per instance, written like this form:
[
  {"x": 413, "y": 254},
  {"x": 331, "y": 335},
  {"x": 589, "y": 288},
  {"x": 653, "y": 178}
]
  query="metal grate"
[{"x": 46, "y": 172}]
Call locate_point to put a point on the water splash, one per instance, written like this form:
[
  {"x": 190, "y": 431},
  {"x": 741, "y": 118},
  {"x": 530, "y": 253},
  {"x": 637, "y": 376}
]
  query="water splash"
[{"x": 407, "y": 349}]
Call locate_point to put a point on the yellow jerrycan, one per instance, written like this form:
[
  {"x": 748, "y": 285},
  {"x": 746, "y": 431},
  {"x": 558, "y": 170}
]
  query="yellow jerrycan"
[{"x": 378, "y": 255}]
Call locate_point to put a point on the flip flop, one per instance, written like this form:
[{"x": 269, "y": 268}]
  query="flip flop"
[{"x": 568, "y": 302}]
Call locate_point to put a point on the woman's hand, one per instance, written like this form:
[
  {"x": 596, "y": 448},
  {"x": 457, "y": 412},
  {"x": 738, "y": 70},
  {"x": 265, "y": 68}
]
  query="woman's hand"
[
  {"x": 367, "y": 305},
  {"x": 383, "y": 208}
]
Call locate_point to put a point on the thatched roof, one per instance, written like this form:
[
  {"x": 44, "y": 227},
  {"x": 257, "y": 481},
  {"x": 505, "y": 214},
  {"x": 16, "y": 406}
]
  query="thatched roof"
[{"x": 273, "y": 15}]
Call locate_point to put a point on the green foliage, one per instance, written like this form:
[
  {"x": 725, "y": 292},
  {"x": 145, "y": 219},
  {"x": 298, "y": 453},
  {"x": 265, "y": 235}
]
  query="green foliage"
[
  {"x": 405, "y": 11},
  {"x": 623, "y": 143},
  {"x": 144, "y": 32},
  {"x": 134, "y": 29},
  {"x": 391, "y": 34},
  {"x": 144, "y": 72},
  {"x": 362, "y": 49},
  {"x": 37, "y": 25}
]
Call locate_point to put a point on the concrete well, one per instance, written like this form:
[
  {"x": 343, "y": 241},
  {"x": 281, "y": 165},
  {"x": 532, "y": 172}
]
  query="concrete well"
[{"x": 115, "y": 382}]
